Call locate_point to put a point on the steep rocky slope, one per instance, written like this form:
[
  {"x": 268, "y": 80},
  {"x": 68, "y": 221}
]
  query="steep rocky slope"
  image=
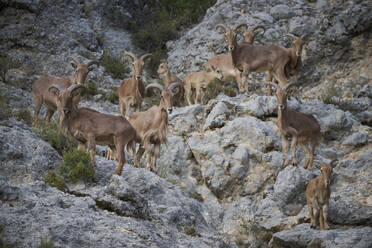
[{"x": 220, "y": 181}]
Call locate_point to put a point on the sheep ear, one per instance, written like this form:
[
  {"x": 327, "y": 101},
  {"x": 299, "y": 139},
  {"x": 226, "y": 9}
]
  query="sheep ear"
[{"x": 73, "y": 65}]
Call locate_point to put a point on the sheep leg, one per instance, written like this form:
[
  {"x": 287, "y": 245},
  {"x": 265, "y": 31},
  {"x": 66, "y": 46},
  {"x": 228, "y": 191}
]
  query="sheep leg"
[
  {"x": 280, "y": 76},
  {"x": 306, "y": 150},
  {"x": 38, "y": 102},
  {"x": 313, "y": 144},
  {"x": 293, "y": 147},
  {"x": 188, "y": 94},
  {"x": 122, "y": 108},
  {"x": 312, "y": 220},
  {"x": 48, "y": 115},
  {"x": 197, "y": 94},
  {"x": 127, "y": 109},
  {"x": 325, "y": 216},
  {"x": 285, "y": 149},
  {"x": 119, "y": 145},
  {"x": 321, "y": 223},
  {"x": 245, "y": 75},
  {"x": 269, "y": 79},
  {"x": 140, "y": 152},
  {"x": 149, "y": 160},
  {"x": 91, "y": 148}
]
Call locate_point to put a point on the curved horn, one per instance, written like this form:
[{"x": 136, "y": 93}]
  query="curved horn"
[
  {"x": 154, "y": 85},
  {"x": 55, "y": 86},
  {"x": 258, "y": 27},
  {"x": 146, "y": 56},
  {"x": 240, "y": 25},
  {"x": 175, "y": 85},
  {"x": 272, "y": 84},
  {"x": 131, "y": 55},
  {"x": 291, "y": 35},
  {"x": 73, "y": 60},
  {"x": 74, "y": 87},
  {"x": 289, "y": 85},
  {"x": 94, "y": 62},
  {"x": 221, "y": 26}
]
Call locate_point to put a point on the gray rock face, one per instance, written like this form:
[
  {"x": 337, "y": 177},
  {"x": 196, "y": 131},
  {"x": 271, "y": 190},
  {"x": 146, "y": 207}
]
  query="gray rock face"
[
  {"x": 281, "y": 11},
  {"x": 304, "y": 236}
]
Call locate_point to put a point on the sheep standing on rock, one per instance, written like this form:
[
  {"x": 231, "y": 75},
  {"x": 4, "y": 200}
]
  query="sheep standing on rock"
[
  {"x": 303, "y": 128},
  {"x": 317, "y": 196},
  {"x": 40, "y": 88}
]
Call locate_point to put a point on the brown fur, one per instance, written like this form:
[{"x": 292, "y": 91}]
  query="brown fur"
[
  {"x": 90, "y": 127},
  {"x": 173, "y": 94},
  {"x": 199, "y": 81},
  {"x": 251, "y": 58},
  {"x": 131, "y": 91},
  {"x": 317, "y": 196},
  {"x": 168, "y": 79},
  {"x": 151, "y": 127},
  {"x": 303, "y": 128},
  {"x": 42, "y": 96}
]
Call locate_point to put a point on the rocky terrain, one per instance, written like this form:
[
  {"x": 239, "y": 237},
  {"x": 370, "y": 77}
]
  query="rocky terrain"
[{"x": 220, "y": 181}]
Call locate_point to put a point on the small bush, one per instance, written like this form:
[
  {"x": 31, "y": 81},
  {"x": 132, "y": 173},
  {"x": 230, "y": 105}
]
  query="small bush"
[
  {"x": 55, "y": 180},
  {"x": 51, "y": 134},
  {"x": 5, "y": 110},
  {"x": 327, "y": 97},
  {"x": 46, "y": 243},
  {"x": 114, "y": 65},
  {"x": 7, "y": 63},
  {"x": 92, "y": 90},
  {"x": 24, "y": 115},
  {"x": 216, "y": 86},
  {"x": 113, "y": 96},
  {"x": 76, "y": 166}
]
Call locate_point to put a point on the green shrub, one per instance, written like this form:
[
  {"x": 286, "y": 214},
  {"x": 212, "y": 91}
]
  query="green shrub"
[
  {"x": 24, "y": 115},
  {"x": 113, "y": 96},
  {"x": 76, "y": 166},
  {"x": 114, "y": 65},
  {"x": 7, "y": 63},
  {"x": 52, "y": 134},
  {"x": 162, "y": 21},
  {"x": 216, "y": 86},
  {"x": 5, "y": 110},
  {"x": 329, "y": 94},
  {"x": 92, "y": 90},
  {"x": 55, "y": 180},
  {"x": 46, "y": 243}
]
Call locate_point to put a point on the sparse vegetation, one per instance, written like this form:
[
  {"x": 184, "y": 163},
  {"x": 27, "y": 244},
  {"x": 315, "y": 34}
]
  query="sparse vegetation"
[
  {"x": 46, "y": 243},
  {"x": 113, "y": 96},
  {"x": 114, "y": 65},
  {"x": 92, "y": 90},
  {"x": 197, "y": 196},
  {"x": 7, "y": 63},
  {"x": 76, "y": 166},
  {"x": 216, "y": 86},
  {"x": 328, "y": 96},
  {"x": 5, "y": 110},
  {"x": 24, "y": 115},
  {"x": 164, "y": 20},
  {"x": 55, "y": 180},
  {"x": 51, "y": 134}
]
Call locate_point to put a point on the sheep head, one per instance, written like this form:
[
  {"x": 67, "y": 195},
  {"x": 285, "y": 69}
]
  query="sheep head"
[
  {"x": 138, "y": 63},
  {"x": 282, "y": 94},
  {"x": 65, "y": 98},
  {"x": 230, "y": 34},
  {"x": 163, "y": 68},
  {"x": 81, "y": 70},
  {"x": 298, "y": 44},
  {"x": 250, "y": 34},
  {"x": 326, "y": 170}
]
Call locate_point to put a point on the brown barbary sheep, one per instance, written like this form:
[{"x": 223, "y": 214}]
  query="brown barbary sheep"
[
  {"x": 249, "y": 34},
  {"x": 303, "y": 128},
  {"x": 173, "y": 93},
  {"x": 41, "y": 86},
  {"x": 317, "y": 196},
  {"x": 90, "y": 127},
  {"x": 200, "y": 81},
  {"x": 151, "y": 127},
  {"x": 168, "y": 77},
  {"x": 131, "y": 91},
  {"x": 251, "y": 58}
]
